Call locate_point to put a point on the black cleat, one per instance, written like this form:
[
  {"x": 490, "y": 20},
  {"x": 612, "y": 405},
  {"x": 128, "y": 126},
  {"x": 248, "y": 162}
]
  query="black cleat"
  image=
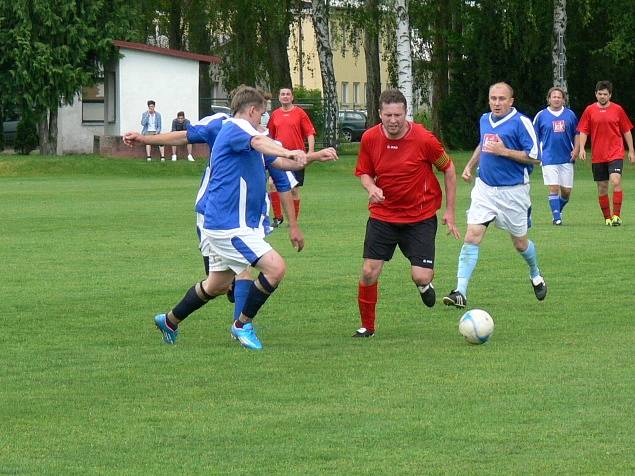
[
  {"x": 363, "y": 332},
  {"x": 456, "y": 299},
  {"x": 277, "y": 222},
  {"x": 540, "y": 289},
  {"x": 428, "y": 296}
]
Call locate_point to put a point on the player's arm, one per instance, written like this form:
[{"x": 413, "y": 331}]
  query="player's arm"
[
  {"x": 449, "y": 182},
  {"x": 169, "y": 138},
  {"x": 499, "y": 148},
  {"x": 267, "y": 146},
  {"x": 295, "y": 234},
  {"x": 375, "y": 194},
  {"x": 473, "y": 162},
  {"x": 581, "y": 144},
  {"x": 576, "y": 148},
  {"x": 628, "y": 137},
  {"x": 323, "y": 155},
  {"x": 311, "y": 141}
]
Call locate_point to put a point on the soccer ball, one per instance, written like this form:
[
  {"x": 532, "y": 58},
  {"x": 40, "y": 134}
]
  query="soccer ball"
[{"x": 476, "y": 326}]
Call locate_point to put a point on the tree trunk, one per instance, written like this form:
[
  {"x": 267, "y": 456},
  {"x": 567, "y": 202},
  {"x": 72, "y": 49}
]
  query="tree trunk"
[
  {"x": 47, "y": 132},
  {"x": 321, "y": 26},
  {"x": 559, "y": 52},
  {"x": 280, "y": 73},
  {"x": 440, "y": 63},
  {"x": 175, "y": 32},
  {"x": 404, "y": 58},
  {"x": 373, "y": 67}
]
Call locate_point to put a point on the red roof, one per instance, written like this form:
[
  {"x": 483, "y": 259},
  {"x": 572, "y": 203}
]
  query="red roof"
[{"x": 167, "y": 51}]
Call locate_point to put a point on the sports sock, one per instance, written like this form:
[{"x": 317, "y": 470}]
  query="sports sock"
[
  {"x": 256, "y": 298},
  {"x": 241, "y": 291},
  {"x": 532, "y": 260},
  {"x": 554, "y": 204},
  {"x": 190, "y": 303},
  {"x": 605, "y": 206},
  {"x": 296, "y": 207},
  {"x": 563, "y": 203},
  {"x": 275, "y": 204},
  {"x": 467, "y": 262},
  {"x": 367, "y": 300},
  {"x": 170, "y": 324},
  {"x": 617, "y": 202}
]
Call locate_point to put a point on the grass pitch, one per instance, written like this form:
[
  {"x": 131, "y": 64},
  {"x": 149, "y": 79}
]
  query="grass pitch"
[{"x": 91, "y": 249}]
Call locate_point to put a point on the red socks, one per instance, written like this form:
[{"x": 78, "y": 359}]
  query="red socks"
[
  {"x": 605, "y": 206},
  {"x": 275, "y": 204},
  {"x": 617, "y": 202},
  {"x": 367, "y": 299}
]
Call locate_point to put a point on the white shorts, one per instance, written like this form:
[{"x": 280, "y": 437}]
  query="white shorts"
[
  {"x": 560, "y": 174},
  {"x": 507, "y": 206},
  {"x": 236, "y": 251}
]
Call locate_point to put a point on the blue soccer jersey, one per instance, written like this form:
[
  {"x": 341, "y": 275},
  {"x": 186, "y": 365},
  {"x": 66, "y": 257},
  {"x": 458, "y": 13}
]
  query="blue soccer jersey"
[
  {"x": 237, "y": 185},
  {"x": 205, "y": 132},
  {"x": 556, "y": 131},
  {"x": 517, "y": 133}
]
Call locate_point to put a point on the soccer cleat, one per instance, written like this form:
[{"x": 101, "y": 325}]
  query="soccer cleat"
[
  {"x": 169, "y": 336},
  {"x": 190, "y": 158},
  {"x": 173, "y": 157},
  {"x": 363, "y": 332},
  {"x": 557, "y": 222},
  {"x": 540, "y": 287},
  {"x": 162, "y": 159},
  {"x": 608, "y": 222},
  {"x": 616, "y": 221},
  {"x": 428, "y": 296},
  {"x": 277, "y": 222},
  {"x": 456, "y": 299},
  {"x": 246, "y": 336},
  {"x": 149, "y": 159}
]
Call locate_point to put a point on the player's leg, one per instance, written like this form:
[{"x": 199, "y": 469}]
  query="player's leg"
[
  {"x": 276, "y": 204},
  {"x": 565, "y": 180},
  {"x": 295, "y": 192},
  {"x": 241, "y": 287},
  {"x": 190, "y": 158},
  {"x": 615, "y": 179},
  {"x": 379, "y": 246},
  {"x": 173, "y": 153},
  {"x": 601, "y": 178},
  {"x": 527, "y": 250},
  {"x": 148, "y": 152},
  {"x": 417, "y": 243},
  {"x": 162, "y": 151},
  {"x": 550, "y": 179}
]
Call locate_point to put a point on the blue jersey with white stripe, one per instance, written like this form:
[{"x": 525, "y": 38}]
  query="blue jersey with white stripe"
[
  {"x": 237, "y": 186},
  {"x": 517, "y": 133},
  {"x": 556, "y": 131},
  {"x": 205, "y": 132}
]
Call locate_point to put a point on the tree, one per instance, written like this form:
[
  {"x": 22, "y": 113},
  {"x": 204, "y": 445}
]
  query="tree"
[
  {"x": 559, "y": 51},
  {"x": 373, "y": 65},
  {"x": 404, "y": 58},
  {"x": 52, "y": 48},
  {"x": 320, "y": 19}
]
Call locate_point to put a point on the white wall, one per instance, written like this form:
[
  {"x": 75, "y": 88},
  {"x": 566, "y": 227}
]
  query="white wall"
[
  {"x": 171, "y": 82},
  {"x": 73, "y": 137}
]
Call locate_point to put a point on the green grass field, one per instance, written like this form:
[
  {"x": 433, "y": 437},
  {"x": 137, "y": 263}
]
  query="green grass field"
[{"x": 91, "y": 249}]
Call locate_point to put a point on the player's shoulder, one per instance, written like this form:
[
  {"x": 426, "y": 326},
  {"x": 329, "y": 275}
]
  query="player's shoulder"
[{"x": 372, "y": 133}]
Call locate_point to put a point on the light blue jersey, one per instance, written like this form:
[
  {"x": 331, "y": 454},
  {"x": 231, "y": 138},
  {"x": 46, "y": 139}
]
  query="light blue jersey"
[
  {"x": 237, "y": 185},
  {"x": 517, "y": 133},
  {"x": 556, "y": 131}
]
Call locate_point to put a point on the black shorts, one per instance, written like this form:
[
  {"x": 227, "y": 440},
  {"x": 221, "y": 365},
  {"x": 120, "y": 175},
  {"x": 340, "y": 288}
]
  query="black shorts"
[
  {"x": 602, "y": 170},
  {"x": 415, "y": 240},
  {"x": 299, "y": 176}
]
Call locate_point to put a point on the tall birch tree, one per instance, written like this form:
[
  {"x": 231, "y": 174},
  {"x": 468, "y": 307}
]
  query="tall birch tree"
[
  {"x": 559, "y": 51},
  {"x": 404, "y": 57}
]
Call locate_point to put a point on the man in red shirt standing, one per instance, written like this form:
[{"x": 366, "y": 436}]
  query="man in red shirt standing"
[
  {"x": 290, "y": 125},
  {"x": 608, "y": 125},
  {"x": 395, "y": 167}
]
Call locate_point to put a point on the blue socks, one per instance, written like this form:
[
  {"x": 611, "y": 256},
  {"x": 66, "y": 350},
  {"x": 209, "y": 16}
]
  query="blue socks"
[
  {"x": 467, "y": 262},
  {"x": 555, "y": 203},
  {"x": 532, "y": 260},
  {"x": 241, "y": 291},
  {"x": 563, "y": 202}
]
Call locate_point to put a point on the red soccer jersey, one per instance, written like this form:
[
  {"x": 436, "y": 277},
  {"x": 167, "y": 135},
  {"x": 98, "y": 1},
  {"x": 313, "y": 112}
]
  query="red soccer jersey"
[
  {"x": 290, "y": 127},
  {"x": 403, "y": 170},
  {"x": 606, "y": 127}
]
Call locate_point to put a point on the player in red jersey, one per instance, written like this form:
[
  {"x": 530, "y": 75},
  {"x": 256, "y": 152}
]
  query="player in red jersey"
[
  {"x": 290, "y": 125},
  {"x": 609, "y": 126},
  {"x": 395, "y": 167}
]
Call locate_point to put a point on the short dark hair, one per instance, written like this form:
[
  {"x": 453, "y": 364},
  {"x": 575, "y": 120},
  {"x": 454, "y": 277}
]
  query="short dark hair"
[
  {"x": 604, "y": 85},
  {"x": 245, "y": 96},
  {"x": 557, "y": 88},
  {"x": 392, "y": 96},
  {"x": 151, "y": 103},
  {"x": 180, "y": 113}
]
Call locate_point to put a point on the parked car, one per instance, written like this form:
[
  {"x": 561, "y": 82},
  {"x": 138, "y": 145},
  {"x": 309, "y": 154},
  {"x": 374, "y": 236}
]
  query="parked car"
[
  {"x": 9, "y": 128},
  {"x": 352, "y": 125},
  {"x": 216, "y": 109}
]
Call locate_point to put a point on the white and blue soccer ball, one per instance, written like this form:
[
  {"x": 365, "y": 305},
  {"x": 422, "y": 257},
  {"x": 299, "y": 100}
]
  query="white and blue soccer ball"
[{"x": 477, "y": 326}]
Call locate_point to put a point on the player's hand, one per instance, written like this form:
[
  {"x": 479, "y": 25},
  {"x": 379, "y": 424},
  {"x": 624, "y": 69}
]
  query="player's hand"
[
  {"x": 467, "y": 174},
  {"x": 296, "y": 237},
  {"x": 324, "y": 155},
  {"x": 130, "y": 138},
  {"x": 375, "y": 195},
  {"x": 448, "y": 219},
  {"x": 631, "y": 156},
  {"x": 582, "y": 155},
  {"x": 299, "y": 156},
  {"x": 496, "y": 147}
]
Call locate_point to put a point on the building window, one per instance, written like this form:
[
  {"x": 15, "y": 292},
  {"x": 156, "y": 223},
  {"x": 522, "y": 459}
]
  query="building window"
[
  {"x": 344, "y": 92},
  {"x": 356, "y": 93},
  {"x": 111, "y": 106},
  {"x": 93, "y": 104}
]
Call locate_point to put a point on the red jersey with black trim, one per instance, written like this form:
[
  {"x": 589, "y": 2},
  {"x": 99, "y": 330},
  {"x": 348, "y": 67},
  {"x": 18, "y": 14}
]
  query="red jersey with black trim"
[
  {"x": 402, "y": 168},
  {"x": 290, "y": 127},
  {"x": 606, "y": 126}
]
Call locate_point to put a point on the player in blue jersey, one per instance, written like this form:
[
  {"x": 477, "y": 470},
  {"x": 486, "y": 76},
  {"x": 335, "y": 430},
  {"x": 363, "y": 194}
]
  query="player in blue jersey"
[
  {"x": 507, "y": 153},
  {"x": 558, "y": 144},
  {"x": 233, "y": 217}
]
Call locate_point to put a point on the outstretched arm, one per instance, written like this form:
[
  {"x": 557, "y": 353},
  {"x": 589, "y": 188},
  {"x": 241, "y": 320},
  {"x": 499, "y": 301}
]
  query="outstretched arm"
[
  {"x": 267, "y": 146},
  {"x": 324, "y": 155},
  {"x": 169, "y": 138}
]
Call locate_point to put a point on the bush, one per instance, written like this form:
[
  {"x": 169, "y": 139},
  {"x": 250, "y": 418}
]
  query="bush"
[{"x": 26, "y": 138}]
